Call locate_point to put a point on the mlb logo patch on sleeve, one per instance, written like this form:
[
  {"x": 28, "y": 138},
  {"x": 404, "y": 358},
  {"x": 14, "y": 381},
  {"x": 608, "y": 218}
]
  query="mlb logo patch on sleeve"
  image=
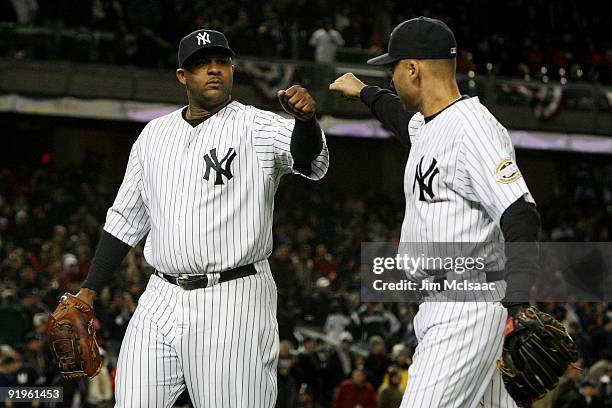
[{"x": 507, "y": 172}]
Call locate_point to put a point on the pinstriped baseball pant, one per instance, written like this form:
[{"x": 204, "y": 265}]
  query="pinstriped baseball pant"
[
  {"x": 220, "y": 342},
  {"x": 455, "y": 361}
]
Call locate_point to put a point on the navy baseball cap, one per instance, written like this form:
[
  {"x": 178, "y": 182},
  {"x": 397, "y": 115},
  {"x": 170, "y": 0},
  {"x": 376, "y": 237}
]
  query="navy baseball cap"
[
  {"x": 200, "y": 40},
  {"x": 419, "y": 38}
]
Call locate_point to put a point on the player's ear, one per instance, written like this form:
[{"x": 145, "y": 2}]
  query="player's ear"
[
  {"x": 180, "y": 75},
  {"x": 413, "y": 68}
]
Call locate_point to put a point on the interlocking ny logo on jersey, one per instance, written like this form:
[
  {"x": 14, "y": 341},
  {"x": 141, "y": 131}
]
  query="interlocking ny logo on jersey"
[
  {"x": 425, "y": 179},
  {"x": 212, "y": 162},
  {"x": 203, "y": 38}
]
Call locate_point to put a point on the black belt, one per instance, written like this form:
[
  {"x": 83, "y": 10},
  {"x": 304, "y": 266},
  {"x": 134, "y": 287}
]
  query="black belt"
[{"x": 191, "y": 282}]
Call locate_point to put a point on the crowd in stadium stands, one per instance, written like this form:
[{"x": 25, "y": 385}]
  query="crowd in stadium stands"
[
  {"x": 556, "y": 41},
  {"x": 50, "y": 221}
]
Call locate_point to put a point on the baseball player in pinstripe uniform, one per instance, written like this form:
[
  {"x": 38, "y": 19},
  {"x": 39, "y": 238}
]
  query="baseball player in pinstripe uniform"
[
  {"x": 462, "y": 185},
  {"x": 200, "y": 182}
]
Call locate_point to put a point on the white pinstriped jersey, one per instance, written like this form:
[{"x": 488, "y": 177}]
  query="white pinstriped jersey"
[
  {"x": 460, "y": 177},
  {"x": 206, "y": 193}
]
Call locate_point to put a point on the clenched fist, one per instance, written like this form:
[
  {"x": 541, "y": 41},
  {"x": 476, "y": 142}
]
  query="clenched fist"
[
  {"x": 298, "y": 102},
  {"x": 348, "y": 85}
]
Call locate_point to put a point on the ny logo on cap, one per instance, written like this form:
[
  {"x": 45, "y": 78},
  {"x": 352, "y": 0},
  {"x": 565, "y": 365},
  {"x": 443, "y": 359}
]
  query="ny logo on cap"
[
  {"x": 453, "y": 50},
  {"x": 203, "y": 38}
]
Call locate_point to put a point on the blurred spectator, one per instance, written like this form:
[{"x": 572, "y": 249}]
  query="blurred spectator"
[
  {"x": 37, "y": 353},
  {"x": 482, "y": 55},
  {"x": 602, "y": 337},
  {"x": 26, "y": 11},
  {"x": 11, "y": 316},
  {"x": 270, "y": 33},
  {"x": 326, "y": 40},
  {"x": 241, "y": 34},
  {"x": 401, "y": 360},
  {"x": 14, "y": 372},
  {"x": 74, "y": 391},
  {"x": 372, "y": 320},
  {"x": 341, "y": 361},
  {"x": 336, "y": 323},
  {"x": 390, "y": 395},
  {"x": 99, "y": 391},
  {"x": 28, "y": 280},
  {"x": 382, "y": 24},
  {"x": 306, "y": 398},
  {"x": 71, "y": 274},
  {"x": 302, "y": 266},
  {"x": 287, "y": 388},
  {"x": 308, "y": 367},
  {"x": 355, "y": 392},
  {"x": 568, "y": 386},
  {"x": 281, "y": 266},
  {"x": 286, "y": 357},
  {"x": 600, "y": 367},
  {"x": 117, "y": 315},
  {"x": 324, "y": 263},
  {"x": 406, "y": 334},
  {"x": 585, "y": 398},
  {"x": 320, "y": 302},
  {"x": 377, "y": 362},
  {"x": 286, "y": 321},
  {"x": 604, "y": 389}
]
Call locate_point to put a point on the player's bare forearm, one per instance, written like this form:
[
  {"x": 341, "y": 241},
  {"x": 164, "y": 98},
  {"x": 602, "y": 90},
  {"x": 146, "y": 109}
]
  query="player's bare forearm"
[{"x": 298, "y": 102}]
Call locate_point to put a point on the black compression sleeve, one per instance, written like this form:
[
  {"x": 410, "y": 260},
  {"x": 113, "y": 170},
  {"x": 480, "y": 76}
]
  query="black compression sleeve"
[
  {"x": 306, "y": 144},
  {"x": 389, "y": 110},
  {"x": 109, "y": 254},
  {"x": 520, "y": 224}
]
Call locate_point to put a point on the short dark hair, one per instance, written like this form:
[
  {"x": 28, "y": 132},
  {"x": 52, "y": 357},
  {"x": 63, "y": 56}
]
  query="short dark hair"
[{"x": 392, "y": 371}]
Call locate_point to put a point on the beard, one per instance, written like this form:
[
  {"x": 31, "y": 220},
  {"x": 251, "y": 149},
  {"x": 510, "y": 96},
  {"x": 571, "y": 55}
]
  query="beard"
[{"x": 210, "y": 99}]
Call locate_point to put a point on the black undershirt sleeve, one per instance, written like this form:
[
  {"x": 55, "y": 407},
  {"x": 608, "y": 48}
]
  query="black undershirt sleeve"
[
  {"x": 520, "y": 224},
  {"x": 389, "y": 110},
  {"x": 306, "y": 144},
  {"x": 107, "y": 258}
]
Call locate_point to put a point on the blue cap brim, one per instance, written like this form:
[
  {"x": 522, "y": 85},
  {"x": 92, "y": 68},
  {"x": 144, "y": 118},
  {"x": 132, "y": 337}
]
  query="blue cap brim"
[{"x": 384, "y": 59}]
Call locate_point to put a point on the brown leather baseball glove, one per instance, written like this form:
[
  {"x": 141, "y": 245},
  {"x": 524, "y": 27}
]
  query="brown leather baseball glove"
[{"x": 72, "y": 338}]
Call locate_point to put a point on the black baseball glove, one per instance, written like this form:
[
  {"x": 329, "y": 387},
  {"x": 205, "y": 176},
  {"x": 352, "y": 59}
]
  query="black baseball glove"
[{"x": 537, "y": 351}]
